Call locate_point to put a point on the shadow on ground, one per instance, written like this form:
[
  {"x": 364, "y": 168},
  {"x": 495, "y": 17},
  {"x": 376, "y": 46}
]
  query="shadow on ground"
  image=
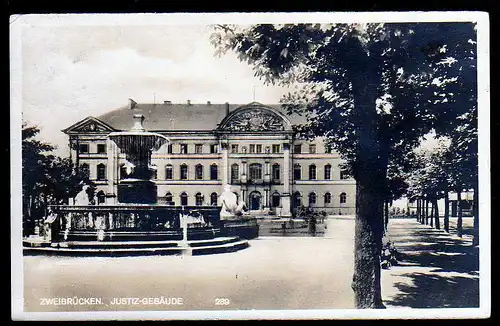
[
  {"x": 437, "y": 291},
  {"x": 451, "y": 277}
]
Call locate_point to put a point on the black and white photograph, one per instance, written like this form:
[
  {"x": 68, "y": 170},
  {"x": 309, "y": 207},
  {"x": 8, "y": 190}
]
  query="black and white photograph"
[{"x": 250, "y": 166}]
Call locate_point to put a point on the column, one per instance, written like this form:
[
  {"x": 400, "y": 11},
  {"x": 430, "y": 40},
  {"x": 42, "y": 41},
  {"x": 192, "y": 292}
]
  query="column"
[
  {"x": 224, "y": 163},
  {"x": 112, "y": 176},
  {"x": 285, "y": 197}
]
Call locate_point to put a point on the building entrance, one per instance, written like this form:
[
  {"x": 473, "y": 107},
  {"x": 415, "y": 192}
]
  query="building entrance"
[{"x": 255, "y": 200}]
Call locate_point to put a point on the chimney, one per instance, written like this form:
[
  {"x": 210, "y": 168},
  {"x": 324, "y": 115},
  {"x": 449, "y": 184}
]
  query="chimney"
[
  {"x": 131, "y": 104},
  {"x": 167, "y": 102},
  {"x": 209, "y": 103},
  {"x": 189, "y": 102},
  {"x": 226, "y": 105}
]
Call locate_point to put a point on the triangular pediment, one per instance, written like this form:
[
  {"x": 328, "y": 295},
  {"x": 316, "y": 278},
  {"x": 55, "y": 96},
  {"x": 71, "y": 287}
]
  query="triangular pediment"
[{"x": 89, "y": 125}]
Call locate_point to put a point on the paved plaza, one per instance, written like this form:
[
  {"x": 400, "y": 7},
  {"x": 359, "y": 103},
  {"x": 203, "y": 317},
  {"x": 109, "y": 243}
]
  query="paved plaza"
[{"x": 438, "y": 270}]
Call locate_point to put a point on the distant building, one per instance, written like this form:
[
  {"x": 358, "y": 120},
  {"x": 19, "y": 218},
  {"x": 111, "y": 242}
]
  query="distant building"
[{"x": 252, "y": 147}]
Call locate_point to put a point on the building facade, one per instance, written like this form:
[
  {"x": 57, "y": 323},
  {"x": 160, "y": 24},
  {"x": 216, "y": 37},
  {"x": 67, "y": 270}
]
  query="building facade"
[{"x": 252, "y": 147}]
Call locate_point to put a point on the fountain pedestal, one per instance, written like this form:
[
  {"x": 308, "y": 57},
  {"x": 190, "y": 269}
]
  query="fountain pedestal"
[{"x": 134, "y": 191}]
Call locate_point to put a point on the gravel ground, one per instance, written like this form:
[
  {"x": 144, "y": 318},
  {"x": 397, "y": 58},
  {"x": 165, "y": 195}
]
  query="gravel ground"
[{"x": 273, "y": 273}]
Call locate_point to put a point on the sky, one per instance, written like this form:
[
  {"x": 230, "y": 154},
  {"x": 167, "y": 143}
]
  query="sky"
[{"x": 71, "y": 72}]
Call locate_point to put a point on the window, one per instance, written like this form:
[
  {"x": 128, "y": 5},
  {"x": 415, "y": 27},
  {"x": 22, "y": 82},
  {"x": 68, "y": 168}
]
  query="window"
[
  {"x": 184, "y": 172},
  {"x": 213, "y": 172},
  {"x": 184, "y": 199},
  {"x": 198, "y": 199},
  {"x": 328, "y": 149},
  {"x": 328, "y": 198},
  {"x": 297, "y": 149},
  {"x": 258, "y": 149},
  {"x": 276, "y": 148},
  {"x": 344, "y": 174},
  {"x": 244, "y": 149},
  {"x": 234, "y": 149},
  {"x": 252, "y": 148},
  {"x": 198, "y": 148},
  {"x": 169, "y": 172},
  {"x": 312, "y": 149},
  {"x": 297, "y": 172},
  {"x": 312, "y": 172},
  {"x": 170, "y": 148},
  {"x": 276, "y": 171},
  {"x": 297, "y": 199},
  {"x": 101, "y": 171},
  {"x": 169, "y": 198},
  {"x": 154, "y": 174},
  {"x": 235, "y": 172},
  {"x": 214, "y": 148},
  {"x": 343, "y": 198},
  {"x": 198, "y": 174},
  {"x": 101, "y": 197},
  {"x": 275, "y": 200},
  {"x": 83, "y": 148},
  {"x": 101, "y": 148},
  {"x": 84, "y": 168},
  {"x": 267, "y": 150},
  {"x": 213, "y": 199},
  {"x": 255, "y": 171},
  {"x": 328, "y": 172},
  {"x": 184, "y": 148},
  {"x": 312, "y": 199}
]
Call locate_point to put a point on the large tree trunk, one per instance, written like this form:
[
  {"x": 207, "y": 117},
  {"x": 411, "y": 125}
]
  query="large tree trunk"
[
  {"x": 459, "y": 213},
  {"x": 446, "y": 211},
  {"x": 475, "y": 241},
  {"x": 368, "y": 244},
  {"x": 436, "y": 214}
]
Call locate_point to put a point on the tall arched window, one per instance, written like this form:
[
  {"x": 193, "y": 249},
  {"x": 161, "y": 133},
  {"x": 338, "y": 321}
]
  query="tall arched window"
[
  {"x": 198, "y": 174},
  {"x": 101, "y": 171},
  {"x": 169, "y": 198},
  {"x": 255, "y": 171},
  {"x": 297, "y": 172},
  {"x": 169, "y": 172},
  {"x": 276, "y": 171},
  {"x": 344, "y": 174},
  {"x": 328, "y": 172},
  {"x": 328, "y": 198},
  {"x": 198, "y": 199},
  {"x": 184, "y": 199},
  {"x": 275, "y": 199},
  {"x": 235, "y": 172},
  {"x": 214, "y": 175},
  {"x": 343, "y": 198},
  {"x": 213, "y": 199},
  {"x": 123, "y": 171},
  {"x": 85, "y": 170},
  {"x": 312, "y": 199},
  {"x": 184, "y": 171},
  {"x": 297, "y": 199},
  {"x": 312, "y": 172}
]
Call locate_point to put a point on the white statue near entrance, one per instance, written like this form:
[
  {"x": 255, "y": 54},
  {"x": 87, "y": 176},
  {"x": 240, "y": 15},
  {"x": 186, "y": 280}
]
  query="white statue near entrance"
[{"x": 230, "y": 206}]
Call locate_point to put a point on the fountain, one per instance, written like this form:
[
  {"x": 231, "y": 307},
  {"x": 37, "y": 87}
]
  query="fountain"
[{"x": 137, "y": 224}]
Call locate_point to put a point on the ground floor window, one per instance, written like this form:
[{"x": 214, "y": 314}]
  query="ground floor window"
[
  {"x": 343, "y": 198},
  {"x": 312, "y": 199},
  {"x": 198, "y": 199},
  {"x": 101, "y": 171},
  {"x": 275, "y": 200},
  {"x": 328, "y": 198},
  {"x": 213, "y": 199},
  {"x": 184, "y": 199}
]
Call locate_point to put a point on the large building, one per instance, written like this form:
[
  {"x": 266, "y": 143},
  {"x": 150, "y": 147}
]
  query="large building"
[{"x": 252, "y": 147}]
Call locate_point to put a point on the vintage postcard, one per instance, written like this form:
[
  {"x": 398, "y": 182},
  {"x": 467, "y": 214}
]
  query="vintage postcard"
[{"x": 250, "y": 166}]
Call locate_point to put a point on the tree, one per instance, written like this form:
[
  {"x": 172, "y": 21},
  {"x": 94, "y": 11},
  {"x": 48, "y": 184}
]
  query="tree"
[
  {"x": 372, "y": 90},
  {"x": 46, "y": 179}
]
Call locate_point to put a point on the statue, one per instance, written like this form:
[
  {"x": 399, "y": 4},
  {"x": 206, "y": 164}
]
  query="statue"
[{"x": 230, "y": 206}]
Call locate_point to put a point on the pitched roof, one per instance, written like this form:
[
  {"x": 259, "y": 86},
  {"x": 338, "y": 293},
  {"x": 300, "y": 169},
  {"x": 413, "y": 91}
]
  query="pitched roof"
[{"x": 179, "y": 117}]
